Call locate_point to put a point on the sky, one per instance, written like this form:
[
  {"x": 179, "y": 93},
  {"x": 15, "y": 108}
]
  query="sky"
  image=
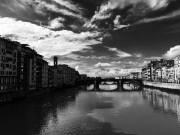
[{"x": 96, "y": 37}]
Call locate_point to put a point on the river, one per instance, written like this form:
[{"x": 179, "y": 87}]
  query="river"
[{"x": 88, "y": 112}]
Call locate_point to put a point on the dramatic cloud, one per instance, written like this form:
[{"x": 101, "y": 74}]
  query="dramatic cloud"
[
  {"x": 97, "y": 37},
  {"x": 94, "y": 57},
  {"x": 77, "y": 68},
  {"x": 46, "y": 41},
  {"x": 119, "y": 53},
  {"x": 56, "y": 23},
  {"x": 71, "y": 56},
  {"x": 117, "y": 24},
  {"x": 80, "y": 57},
  {"x": 106, "y": 16},
  {"x": 117, "y": 68},
  {"x": 138, "y": 55},
  {"x": 148, "y": 20},
  {"x": 102, "y": 64},
  {"x": 129, "y": 64},
  {"x": 70, "y": 5},
  {"x": 43, "y": 6},
  {"x": 153, "y": 58},
  {"x": 116, "y": 20},
  {"x": 172, "y": 53},
  {"x": 120, "y": 4},
  {"x": 116, "y": 62},
  {"x": 115, "y": 72}
]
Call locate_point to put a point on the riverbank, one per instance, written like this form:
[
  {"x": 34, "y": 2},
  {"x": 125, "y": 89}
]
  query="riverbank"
[
  {"x": 16, "y": 96},
  {"x": 166, "y": 86}
]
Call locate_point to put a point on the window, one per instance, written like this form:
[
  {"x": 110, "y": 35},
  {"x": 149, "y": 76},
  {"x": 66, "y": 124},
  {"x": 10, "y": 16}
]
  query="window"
[
  {"x": 10, "y": 73},
  {"x": 14, "y": 60},
  {"x": 9, "y": 52},
  {"x": 3, "y": 50},
  {"x": 8, "y": 59},
  {"x": 7, "y": 65},
  {"x": 14, "y": 73},
  {"x": 2, "y": 58},
  {"x": 14, "y": 54},
  {"x": 14, "y": 67}
]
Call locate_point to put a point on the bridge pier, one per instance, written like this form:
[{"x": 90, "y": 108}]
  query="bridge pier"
[{"x": 96, "y": 85}]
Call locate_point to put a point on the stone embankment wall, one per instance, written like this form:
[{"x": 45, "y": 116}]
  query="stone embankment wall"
[{"x": 173, "y": 86}]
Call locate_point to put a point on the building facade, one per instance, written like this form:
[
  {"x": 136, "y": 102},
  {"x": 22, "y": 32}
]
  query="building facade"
[
  {"x": 30, "y": 57},
  {"x": 177, "y": 69},
  {"x": 41, "y": 72},
  {"x": 54, "y": 74},
  {"x": 22, "y": 69},
  {"x": 144, "y": 73},
  {"x": 83, "y": 77},
  {"x": 164, "y": 74},
  {"x": 61, "y": 75},
  {"x": 135, "y": 75},
  {"x": 8, "y": 67},
  {"x": 161, "y": 71},
  {"x": 170, "y": 74}
]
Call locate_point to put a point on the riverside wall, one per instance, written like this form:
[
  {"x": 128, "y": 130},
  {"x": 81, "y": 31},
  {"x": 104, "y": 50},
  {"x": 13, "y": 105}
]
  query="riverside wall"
[
  {"x": 12, "y": 96},
  {"x": 166, "y": 86}
]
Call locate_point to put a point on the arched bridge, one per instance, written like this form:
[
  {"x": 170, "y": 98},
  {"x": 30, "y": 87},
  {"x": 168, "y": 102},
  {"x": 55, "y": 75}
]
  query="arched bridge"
[
  {"x": 136, "y": 81},
  {"x": 119, "y": 82}
]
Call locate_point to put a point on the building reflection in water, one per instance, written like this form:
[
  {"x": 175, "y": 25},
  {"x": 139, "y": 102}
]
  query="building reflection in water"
[
  {"x": 56, "y": 114},
  {"x": 130, "y": 86},
  {"x": 170, "y": 103}
]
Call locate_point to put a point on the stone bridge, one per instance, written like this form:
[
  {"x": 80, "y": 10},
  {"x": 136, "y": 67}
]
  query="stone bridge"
[{"x": 119, "y": 83}]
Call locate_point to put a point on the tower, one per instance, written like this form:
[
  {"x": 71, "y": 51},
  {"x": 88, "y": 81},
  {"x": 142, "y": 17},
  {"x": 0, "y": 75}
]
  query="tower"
[{"x": 55, "y": 60}]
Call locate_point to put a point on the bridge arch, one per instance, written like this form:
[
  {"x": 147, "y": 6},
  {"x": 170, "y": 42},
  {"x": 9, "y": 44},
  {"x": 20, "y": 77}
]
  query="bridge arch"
[
  {"x": 137, "y": 81},
  {"x": 137, "y": 84}
]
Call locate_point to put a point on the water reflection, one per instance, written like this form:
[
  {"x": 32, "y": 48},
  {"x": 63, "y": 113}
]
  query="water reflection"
[
  {"x": 108, "y": 87},
  {"x": 80, "y": 117},
  {"x": 169, "y": 103},
  {"x": 28, "y": 117},
  {"x": 131, "y": 86},
  {"x": 126, "y": 113},
  {"x": 147, "y": 112}
]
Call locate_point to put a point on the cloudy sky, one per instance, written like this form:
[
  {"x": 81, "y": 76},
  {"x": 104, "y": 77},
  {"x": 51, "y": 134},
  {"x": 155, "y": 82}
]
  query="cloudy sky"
[{"x": 97, "y": 37}]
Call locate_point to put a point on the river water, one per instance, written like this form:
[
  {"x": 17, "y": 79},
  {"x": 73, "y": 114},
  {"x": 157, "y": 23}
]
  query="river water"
[{"x": 88, "y": 112}]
